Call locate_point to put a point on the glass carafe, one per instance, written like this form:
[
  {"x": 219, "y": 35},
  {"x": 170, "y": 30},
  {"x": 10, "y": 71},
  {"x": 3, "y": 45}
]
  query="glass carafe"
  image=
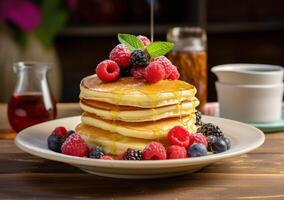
[
  {"x": 190, "y": 56},
  {"x": 32, "y": 101}
]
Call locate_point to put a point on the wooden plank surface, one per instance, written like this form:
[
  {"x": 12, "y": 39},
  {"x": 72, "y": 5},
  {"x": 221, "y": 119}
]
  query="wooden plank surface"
[{"x": 256, "y": 175}]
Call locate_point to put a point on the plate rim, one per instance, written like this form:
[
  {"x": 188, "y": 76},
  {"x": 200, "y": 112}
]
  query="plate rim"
[{"x": 83, "y": 161}]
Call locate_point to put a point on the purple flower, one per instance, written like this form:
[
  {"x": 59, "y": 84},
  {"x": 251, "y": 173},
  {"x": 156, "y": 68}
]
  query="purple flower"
[
  {"x": 23, "y": 13},
  {"x": 72, "y": 4}
]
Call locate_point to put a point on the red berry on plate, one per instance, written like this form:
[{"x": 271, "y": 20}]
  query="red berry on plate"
[
  {"x": 178, "y": 136},
  {"x": 121, "y": 156},
  {"x": 105, "y": 157},
  {"x": 154, "y": 72},
  {"x": 198, "y": 138},
  {"x": 176, "y": 152},
  {"x": 144, "y": 40},
  {"x": 167, "y": 64},
  {"x": 138, "y": 72},
  {"x": 154, "y": 151},
  {"x": 74, "y": 145},
  {"x": 121, "y": 55},
  {"x": 108, "y": 71},
  {"x": 60, "y": 132},
  {"x": 174, "y": 75}
]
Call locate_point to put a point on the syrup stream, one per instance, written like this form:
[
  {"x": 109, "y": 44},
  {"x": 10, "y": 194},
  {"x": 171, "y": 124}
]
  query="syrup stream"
[{"x": 152, "y": 3}]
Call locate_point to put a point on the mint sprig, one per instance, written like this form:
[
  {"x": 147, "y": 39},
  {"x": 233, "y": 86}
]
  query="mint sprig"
[
  {"x": 130, "y": 41},
  {"x": 157, "y": 49}
]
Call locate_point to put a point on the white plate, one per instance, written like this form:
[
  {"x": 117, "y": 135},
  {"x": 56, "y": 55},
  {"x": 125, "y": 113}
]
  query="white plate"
[{"x": 244, "y": 138}]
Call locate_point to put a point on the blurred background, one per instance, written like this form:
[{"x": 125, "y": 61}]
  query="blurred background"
[{"x": 75, "y": 35}]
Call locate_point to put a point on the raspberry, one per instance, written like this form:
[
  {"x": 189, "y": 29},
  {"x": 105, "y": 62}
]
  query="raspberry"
[
  {"x": 174, "y": 75},
  {"x": 108, "y": 71},
  {"x": 139, "y": 58},
  {"x": 96, "y": 153},
  {"x": 154, "y": 72},
  {"x": 154, "y": 151},
  {"x": 60, "y": 132},
  {"x": 168, "y": 66},
  {"x": 144, "y": 40},
  {"x": 175, "y": 152},
  {"x": 138, "y": 72},
  {"x": 178, "y": 136},
  {"x": 121, "y": 55},
  {"x": 106, "y": 158},
  {"x": 121, "y": 156},
  {"x": 197, "y": 138},
  {"x": 132, "y": 154},
  {"x": 75, "y": 146}
]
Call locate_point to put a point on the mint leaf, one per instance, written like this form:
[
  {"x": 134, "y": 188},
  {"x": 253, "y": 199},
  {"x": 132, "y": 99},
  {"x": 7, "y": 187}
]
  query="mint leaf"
[
  {"x": 157, "y": 49},
  {"x": 130, "y": 41}
]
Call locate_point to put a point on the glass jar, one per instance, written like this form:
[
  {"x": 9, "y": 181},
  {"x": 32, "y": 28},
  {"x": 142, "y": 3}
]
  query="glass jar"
[
  {"x": 190, "y": 56},
  {"x": 32, "y": 101}
]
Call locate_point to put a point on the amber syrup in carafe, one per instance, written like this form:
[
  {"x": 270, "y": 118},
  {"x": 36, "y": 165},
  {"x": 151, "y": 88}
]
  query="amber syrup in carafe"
[{"x": 28, "y": 109}]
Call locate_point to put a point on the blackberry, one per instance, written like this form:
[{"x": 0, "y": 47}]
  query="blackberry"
[
  {"x": 97, "y": 153},
  {"x": 210, "y": 129},
  {"x": 198, "y": 121},
  {"x": 210, "y": 140},
  {"x": 125, "y": 71},
  {"x": 139, "y": 58},
  {"x": 132, "y": 154}
]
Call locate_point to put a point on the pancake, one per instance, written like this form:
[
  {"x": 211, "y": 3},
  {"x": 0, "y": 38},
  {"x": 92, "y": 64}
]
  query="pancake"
[
  {"x": 112, "y": 143},
  {"x": 130, "y": 91},
  {"x": 145, "y": 130},
  {"x": 133, "y": 114}
]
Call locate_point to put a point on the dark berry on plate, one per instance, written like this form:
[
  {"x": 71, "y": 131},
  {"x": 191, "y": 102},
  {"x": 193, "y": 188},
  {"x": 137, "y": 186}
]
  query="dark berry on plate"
[
  {"x": 179, "y": 136},
  {"x": 108, "y": 71},
  {"x": 154, "y": 151},
  {"x": 210, "y": 129},
  {"x": 96, "y": 153},
  {"x": 176, "y": 152},
  {"x": 70, "y": 132},
  {"x": 197, "y": 150},
  {"x": 125, "y": 71},
  {"x": 54, "y": 143},
  {"x": 219, "y": 145},
  {"x": 228, "y": 142},
  {"x": 133, "y": 154},
  {"x": 121, "y": 55},
  {"x": 74, "y": 145},
  {"x": 139, "y": 58},
  {"x": 154, "y": 72},
  {"x": 60, "y": 132},
  {"x": 198, "y": 121},
  {"x": 210, "y": 140}
]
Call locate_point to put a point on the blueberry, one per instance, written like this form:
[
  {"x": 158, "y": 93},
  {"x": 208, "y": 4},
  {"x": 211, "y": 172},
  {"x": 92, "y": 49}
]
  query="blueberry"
[
  {"x": 125, "y": 71},
  {"x": 228, "y": 142},
  {"x": 219, "y": 145},
  {"x": 70, "y": 132},
  {"x": 210, "y": 140},
  {"x": 97, "y": 153},
  {"x": 197, "y": 150},
  {"x": 54, "y": 143}
]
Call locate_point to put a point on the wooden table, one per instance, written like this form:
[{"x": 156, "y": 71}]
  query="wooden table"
[{"x": 257, "y": 175}]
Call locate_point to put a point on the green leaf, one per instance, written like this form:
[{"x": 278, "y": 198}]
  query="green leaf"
[
  {"x": 130, "y": 41},
  {"x": 54, "y": 18},
  {"x": 157, "y": 49}
]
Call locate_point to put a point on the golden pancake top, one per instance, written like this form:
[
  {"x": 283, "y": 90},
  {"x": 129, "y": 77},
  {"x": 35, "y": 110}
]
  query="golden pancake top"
[
  {"x": 131, "y": 85},
  {"x": 130, "y": 91}
]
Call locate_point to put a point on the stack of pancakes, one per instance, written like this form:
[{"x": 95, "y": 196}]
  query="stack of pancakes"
[{"x": 130, "y": 113}]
